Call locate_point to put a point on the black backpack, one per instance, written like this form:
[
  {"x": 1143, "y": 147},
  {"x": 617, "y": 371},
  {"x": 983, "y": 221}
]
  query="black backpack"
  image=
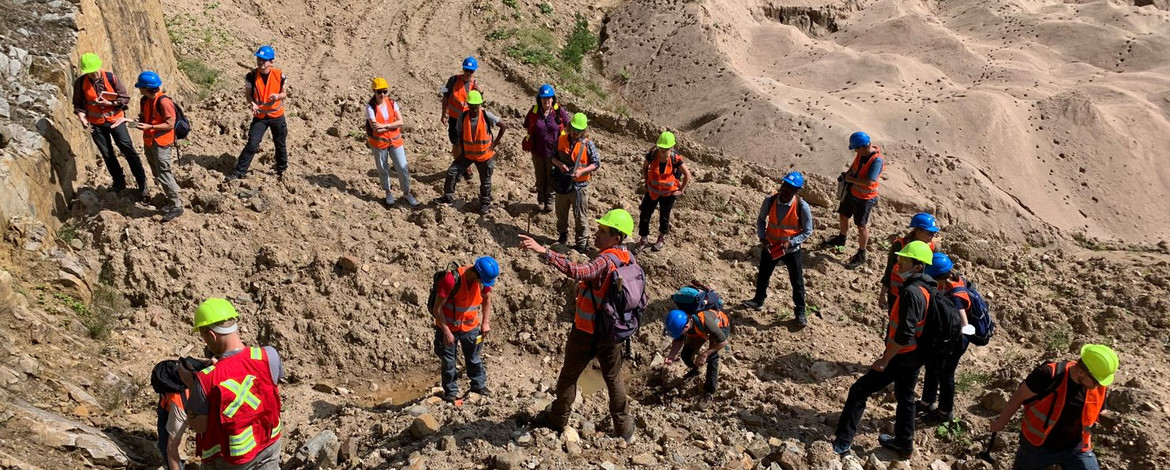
[
  {"x": 943, "y": 331},
  {"x": 182, "y": 125},
  {"x": 164, "y": 378},
  {"x": 439, "y": 275}
]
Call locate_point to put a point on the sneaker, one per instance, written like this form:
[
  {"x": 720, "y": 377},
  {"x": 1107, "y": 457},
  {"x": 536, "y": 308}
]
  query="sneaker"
[
  {"x": 838, "y": 240},
  {"x": 753, "y": 304},
  {"x": 936, "y": 417},
  {"x": 642, "y": 243},
  {"x": 485, "y": 208},
  {"x": 545, "y": 208},
  {"x": 450, "y": 398},
  {"x": 544, "y": 420},
  {"x": 890, "y": 443},
  {"x": 841, "y": 447},
  {"x": 411, "y": 200},
  {"x": 482, "y": 391},
  {"x": 390, "y": 200},
  {"x": 563, "y": 238},
  {"x": 172, "y": 214},
  {"x": 857, "y": 260},
  {"x": 232, "y": 177},
  {"x": 659, "y": 244},
  {"x": 447, "y": 200},
  {"x": 629, "y": 435}
]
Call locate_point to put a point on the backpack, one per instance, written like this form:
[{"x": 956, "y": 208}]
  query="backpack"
[
  {"x": 979, "y": 316},
  {"x": 943, "y": 330},
  {"x": 164, "y": 378},
  {"x": 620, "y": 313},
  {"x": 707, "y": 299},
  {"x": 182, "y": 125},
  {"x": 451, "y": 268}
]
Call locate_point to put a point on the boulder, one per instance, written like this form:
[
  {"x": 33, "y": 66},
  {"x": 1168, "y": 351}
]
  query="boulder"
[
  {"x": 320, "y": 452},
  {"x": 850, "y": 462},
  {"x": 939, "y": 465},
  {"x": 424, "y": 425},
  {"x": 994, "y": 401},
  {"x": 62, "y": 433}
]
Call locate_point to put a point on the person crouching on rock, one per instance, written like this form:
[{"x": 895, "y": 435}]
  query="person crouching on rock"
[
  {"x": 698, "y": 320},
  {"x": 463, "y": 312}
]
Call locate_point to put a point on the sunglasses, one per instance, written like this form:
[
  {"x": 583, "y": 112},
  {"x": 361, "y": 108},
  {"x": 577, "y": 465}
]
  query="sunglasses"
[{"x": 383, "y": 92}]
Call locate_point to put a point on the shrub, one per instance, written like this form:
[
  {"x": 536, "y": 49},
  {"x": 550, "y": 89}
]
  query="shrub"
[{"x": 580, "y": 42}]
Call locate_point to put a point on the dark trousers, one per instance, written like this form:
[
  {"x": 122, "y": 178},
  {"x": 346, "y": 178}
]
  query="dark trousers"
[
  {"x": 107, "y": 137},
  {"x": 164, "y": 437},
  {"x": 903, "y": 373},
  {"x": 939, "y": 381},
  {"x": 688, "y": 357},
  {"x": 794, "y": 261},
  {"x": 646, "y": 211},
  {"x": 256, "y": 135},
  {"x": 1030, "y": 457},
  {"x": 460, "y": 165},
  {"x": 542, "y": 166},
  {"x": 580, "y": 349},
  {"x": 472, "y": 360}
]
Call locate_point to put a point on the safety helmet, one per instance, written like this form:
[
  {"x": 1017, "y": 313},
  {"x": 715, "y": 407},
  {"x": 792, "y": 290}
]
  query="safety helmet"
[
  {"x": 666, "y": 140},
  {"x": 1101, "y": 361},
  {"x": 474, "y": 97},
  {"x": 546, "y": 91},
  {"x": 379, "y": 83},
  {"x": 470, "y": 64},
  {"x": 940, "y": 264},
  {"x": 676, "y": 323},
  {"x": 488, "y": 269},
  {"x": 618, "y": 219},
  {"x": 579, "y": 122},
  {"x": 858, "y": 139},
  {"x": 794, "y": 179},
  {"x": 924, "y": 221},
  {"x": 213, "y": 311},
  {"x": 918, "y": 251},
  {"x": 148, "y": 79},
  {"x": 90, "y": 63},
  {"x": 266, "y": 53}
]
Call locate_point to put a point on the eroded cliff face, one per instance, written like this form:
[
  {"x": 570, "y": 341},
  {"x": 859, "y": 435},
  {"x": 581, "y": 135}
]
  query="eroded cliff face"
[{"x": 44, "y": 152}]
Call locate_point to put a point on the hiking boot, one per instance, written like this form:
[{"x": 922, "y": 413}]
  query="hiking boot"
[
  {"x": 841, "y": 447},
  {"x": 545, "y": 208},
  {"x": 544, "y": 420},
  {"x": 754, "y": 304},
  {"x": 485, "y": 208},
  {"x": 172, "y": 214},
  {"x": 889, "y": 442},
  {"x": 659, "y": 244},
  {"x": 482, "y": 392},
  {"x": 563, "y": 238},
  {"x": 857, "y": 260},
  {"x": 801, "y": 319},
  {"x": 144, "y": 194},
  {"x": 642, "y": 243},
  {"x": 446, "y": 200},
  {"x": 390, "y": 200},
  {"x": 691, "y": 373},
  {"x": 232, "y": 177},
  {"x": 411, "y": 200},
  {"x": 936, "y": 417},
  {"x": 450, "y": 397},
  {"x": 838, "y": 240},
  {"x": 629, "y": 434}
]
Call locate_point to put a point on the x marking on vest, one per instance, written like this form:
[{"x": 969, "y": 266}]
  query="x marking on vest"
[{"x": 243, "y": 393}]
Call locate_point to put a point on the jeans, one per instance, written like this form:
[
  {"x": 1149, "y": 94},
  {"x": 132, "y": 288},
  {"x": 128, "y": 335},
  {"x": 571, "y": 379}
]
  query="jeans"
[
  {"x": 580, "y": 349},
  {"x": 940, "y": 379},
  {"x": 399, "y": 162},
  {"x": 267, "y": 459},
  {"x": 688, "y": 357},
  {"x": 1030, "y": 457},
  {"x": 460, "y": 165},
  {"x": 646, "y": 210},
  {"x": 794, "y": 261},
  {"x": 903, "y": 373},
  {"x": 472, "y": 359},
  {"x": 542, "y": 166},
  {"x": 256, "y": 135},
  {"x": 107, "y": 137},
  {"x": 579, "y": 201},
  {"x": 159, "y": 159}
]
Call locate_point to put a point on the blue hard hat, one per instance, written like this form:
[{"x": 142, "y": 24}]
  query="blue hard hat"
[
  {"x": 676, "y": 323},
  {"x": 939, "y": 265},
  {"x": 148, "y": 79},
  {"x": 924, "y": 221},
  {"x": 488, "y": 269},
  {"x": 470, "y": 64},
  {"x": 266, "y": 52},
  {"x": 858, "y": 139},
  {"x": 546, "y": 91},
  {"x": 794, "y": 179}
]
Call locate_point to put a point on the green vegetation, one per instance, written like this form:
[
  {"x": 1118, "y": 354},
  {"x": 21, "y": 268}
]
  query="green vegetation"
[
  {"x": 546, "y": 8},
  {"x": 192, "y": 38},
  {"x": 199, "y": 73},
  {"x": 510, "y": 3},
  {"x": 1057, "y": 340},
  {"x": 102, "y": 312},
  {"x": 625, "y": 75},
  {"x": 955, "y": 431},
  {"x": 967, "y": 381},
  {"x": 537, "y": 46},
  {"x": 580, "y": 42},
  {"x": 500, "y": 34},
  {"x": 68, "y": 232}
]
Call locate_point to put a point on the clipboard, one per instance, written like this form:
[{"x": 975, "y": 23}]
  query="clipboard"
[{"x": 108, "y": 96}]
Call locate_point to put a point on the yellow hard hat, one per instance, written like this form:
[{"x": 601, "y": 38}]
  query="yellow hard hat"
[
  {"x": 213, "y": 311},
  {"x": 90, "y": 63},
  {"x": 666, "y": 140},
  {"x": 618, "y": 219},
  {"x": 919, "y": 251},
  {"x": 379, "y": 84},
  {"x": 1101, "y": 361},
  {"x": 474, "y": 97}
]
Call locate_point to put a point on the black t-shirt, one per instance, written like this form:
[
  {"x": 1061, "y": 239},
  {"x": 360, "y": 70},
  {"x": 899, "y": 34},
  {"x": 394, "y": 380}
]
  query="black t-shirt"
[{"x": 1067, "y": 432}]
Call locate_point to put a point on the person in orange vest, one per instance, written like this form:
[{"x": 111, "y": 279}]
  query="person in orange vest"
[
  {"x": 384, "y": 137},
  {"x": 900, "y": 361},
  {"x": 666, "y": 179},
  {"x": 784, "y": 223},
  {"x": 454, "y": 102},
  {"x": 463, "y": 315},
  {"x": 265, "y": 88},
  {"x": 692, "y": 325},
  {"x": 476, "y": 147},
  {"x": 544, "y": 123},
  {"x": 922, "y": 228},
  {"x": 575, "y": 162},
  {"x": 234, "y": 404},
  {"x": 582, "y": 347},
  {"x": 1062, "y": 402},
  {"x": 863, "y": 178},
  {"x": 156, "y": 120},
  {"x": 98, "y": 102},
  {"x": 167, "y": 381}
]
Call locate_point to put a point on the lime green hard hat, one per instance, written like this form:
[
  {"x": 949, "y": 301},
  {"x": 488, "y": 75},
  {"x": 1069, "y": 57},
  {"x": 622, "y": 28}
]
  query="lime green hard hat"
[
  {"x": 90, "y": 63},
  {"x": 474, "y": 97},
  {"x": 618, "y": 219},
  {"x": 666, "y": 140},
  {"x": 917, "y": 250},
  {"x": 1101, "y": 361},
  {"x": 213, "y": 311},
  {"x": 579, "y": 122}
]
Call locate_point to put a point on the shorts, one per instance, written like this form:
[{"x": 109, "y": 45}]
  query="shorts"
[
  {"x": 858, "y": 209},
  {"x": 452, "y": 133}
]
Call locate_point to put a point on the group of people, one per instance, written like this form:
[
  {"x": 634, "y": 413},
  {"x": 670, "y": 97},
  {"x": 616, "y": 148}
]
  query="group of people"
[{"x": 232, "y": 400}]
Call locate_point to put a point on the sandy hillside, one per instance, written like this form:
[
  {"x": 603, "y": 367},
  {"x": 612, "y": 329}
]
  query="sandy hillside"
[{"x": 1019, "y": 112}]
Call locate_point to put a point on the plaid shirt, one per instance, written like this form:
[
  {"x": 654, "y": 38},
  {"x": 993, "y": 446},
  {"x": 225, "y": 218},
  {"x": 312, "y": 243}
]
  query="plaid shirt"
[{"x": 594, "y": 271}]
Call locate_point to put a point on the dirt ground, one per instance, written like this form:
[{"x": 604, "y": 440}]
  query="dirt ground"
[{"x": 321, "y": 270}]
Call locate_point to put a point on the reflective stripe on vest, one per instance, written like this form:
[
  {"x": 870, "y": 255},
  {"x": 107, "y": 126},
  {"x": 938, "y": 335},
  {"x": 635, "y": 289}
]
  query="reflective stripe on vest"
[
  {"x": 781, "y": 228},
  {"x": 210, "y": 452},
  {"x": 243, "y": 394},
  {"x": 97, "y": 113},
  {"x": 242, "y": 443},
  {"x": 262, "y": 89},
  {"x": 457, "y": 100},
  {"x": 661, "y": 183},
  {"x": 461, "y": 312},
  {"x": 477, "y": 141},
  {"x": 892, "y": 326},
  {"x": 276, "y": 431},
  {"x": 578, "y": 155},
  {"x": 589, "y": 297},
  {"x": 857, "y": 170},
  {"x": 386, "y": 139},
  {"x": 246, "y": 400}
]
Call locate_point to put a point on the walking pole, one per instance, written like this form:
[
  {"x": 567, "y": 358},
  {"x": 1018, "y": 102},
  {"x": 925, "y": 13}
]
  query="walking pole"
[{"x": 986, "y": 454}]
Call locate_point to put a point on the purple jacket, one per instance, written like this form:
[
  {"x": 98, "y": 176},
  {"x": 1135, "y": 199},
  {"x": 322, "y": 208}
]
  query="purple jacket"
[{"x": 544, "y": 130}]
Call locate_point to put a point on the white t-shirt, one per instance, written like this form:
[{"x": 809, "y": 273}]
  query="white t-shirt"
[{"x": 381, "y": 109}]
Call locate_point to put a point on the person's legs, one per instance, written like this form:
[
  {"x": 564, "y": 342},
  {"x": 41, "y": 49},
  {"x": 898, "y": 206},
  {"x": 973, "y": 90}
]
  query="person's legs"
[
  {"x": 398, "y": 156},
  {"x": 1030, "y": 457},
  {"x": 865, "y": 386},
  {"x": 453, "y": 172},
  {"x": 610, "y": 358},
  {"x": 645, "y": 211},
  {"x": 541, "y": 167},
  {"x": 473, "y": 359},
  {"x": 946, "y": 401},
  {"x": 255, "y": 135},
  {"x": 862, "y": 237},
  {"x": 580, "y": 213},
  {"x": 447, "y": 360},
  {"x": 279, "y": 140},
  {"x": 712, "y": 373},
  {"x": 380, "y": 157},
  {"x": 1074, "y": 460},
  {"x": 687, "y": 354},
  {"x": 578, "y": 352},
  {"x": 905, "y": 370},
  {"x": 794, "y": 261},
  {"x": 764, "y": 276},
  {"x": 563, "y": 203},
  {"x": 161, "y": 426},
  {"x": 930, "y": 380},
  {"x": 485, "y": 180},
  {"x": 666, "y": 206},
  {"x": 160, "y": 165},
  {"x": 101, "y": 137},
  {"x": 126, "y": 146}
]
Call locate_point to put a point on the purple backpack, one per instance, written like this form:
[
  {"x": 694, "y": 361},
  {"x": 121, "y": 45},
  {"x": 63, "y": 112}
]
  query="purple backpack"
[{"x": 620, "y": 312}]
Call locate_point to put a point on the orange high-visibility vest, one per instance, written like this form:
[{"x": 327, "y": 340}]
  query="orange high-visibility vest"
[
  {"x": 461, "y": 312},
  {"x": 579, "y": 154},
  {"x": 781, "y": 228},
  {"x": 457, "y": 99},
  {"x": 591, "y": 295},
  {"x": 100, "y": 113},
  {"x": 390, "y": 138},
  {"x": 697, "y": 330},
  {"x": 262, "y": 89},
  {"x": 868, "y": 190},
  {"x": 477, "y": 141},
  {"x": 151, "y": 115},
  {"x": 1041, "y": 416},
  {"x": 895, "y": 318},
  {"x": 662, "y": 183}
]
